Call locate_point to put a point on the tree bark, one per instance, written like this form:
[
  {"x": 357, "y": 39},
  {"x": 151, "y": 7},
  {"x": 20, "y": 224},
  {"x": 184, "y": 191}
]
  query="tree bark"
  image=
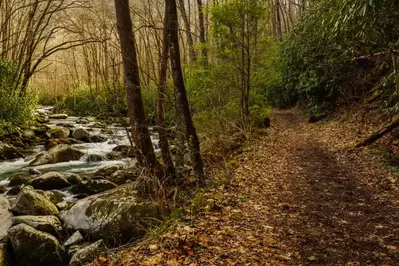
[
  {"x": 161, "y": 125},
  {"x": 186, "y": 21},
  {"x": 204, "y": 48},
  {"x": 140, "y": 133},
  {"x": 177, "y": 73},
  {"x": 376, "y": 136}
]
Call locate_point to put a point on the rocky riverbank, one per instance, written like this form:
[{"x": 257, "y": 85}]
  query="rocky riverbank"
[{"x": 67, "y": 189}]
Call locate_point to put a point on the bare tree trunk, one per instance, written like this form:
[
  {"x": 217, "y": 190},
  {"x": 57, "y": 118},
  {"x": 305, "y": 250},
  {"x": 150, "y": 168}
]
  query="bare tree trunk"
[
  {"x": 161, "y": 125},
  {"x": 278, "y": 21},
  {"x": 180, "y": 86},
  {"x": 204, "y": 48},
  {"x": 140, "y": 133},
  {"x": 186, "y": 21}
]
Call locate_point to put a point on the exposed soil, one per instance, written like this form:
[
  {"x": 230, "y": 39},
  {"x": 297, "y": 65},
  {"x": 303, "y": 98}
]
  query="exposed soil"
[{"x": 301, "y": 195}]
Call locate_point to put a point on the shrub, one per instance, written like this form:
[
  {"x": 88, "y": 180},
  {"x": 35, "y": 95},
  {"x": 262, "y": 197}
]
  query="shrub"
[{"x": 16, "y": 103}]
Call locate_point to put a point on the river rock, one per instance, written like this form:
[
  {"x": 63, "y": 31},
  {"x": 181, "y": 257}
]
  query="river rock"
[
  {"x": 108, "y": 170},
  {"x": 87, "y": 254},
  {"x": 58, "y": 116},
  {"x": 81, "y": 134},
  {"x": 33, "y": 247},
  {"x": 8, "y": 152},
  {"x": 5, "y": 247},
  {"x": 74, "y": 179},
  {"x": 120, "y": 177},
  {"x": 48, "y": 224},
  {"x": 97, "y": 139},
  {"x": 48, "y": 181},
  {"x": 118, "y": 215},
  {"x": 19, "y": 180},
  {"x": 3, "y": 189},
  {"x": 82, "y": 121},
  {"x": 57, "y": 154},
  {"x": 75, "y": 239},
  {"x": 34, "y": 172},
  {"x": 54, "y": 196},
  {"x": 30, "y": 202},
  {"x": 59, "y": 133},
  {"x": 115, "y": 156},
  {"x": 125, "y": 150},
  {"x": 93, "y": 186},
  {"x": 92, "y": 158},
  {"x": 13, "y": 191},
  {"x": 5, "y": 217}
]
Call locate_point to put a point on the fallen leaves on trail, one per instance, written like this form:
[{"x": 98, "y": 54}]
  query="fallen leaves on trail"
[{"x": 300, "y": 196}]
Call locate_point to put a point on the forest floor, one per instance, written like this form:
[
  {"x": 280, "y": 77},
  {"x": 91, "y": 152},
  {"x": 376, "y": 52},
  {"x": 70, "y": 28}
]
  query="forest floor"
[{"x": 300, "y": 195}]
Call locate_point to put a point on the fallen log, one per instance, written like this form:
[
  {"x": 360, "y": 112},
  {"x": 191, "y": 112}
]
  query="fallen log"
[{"x": 379, "y": 134}]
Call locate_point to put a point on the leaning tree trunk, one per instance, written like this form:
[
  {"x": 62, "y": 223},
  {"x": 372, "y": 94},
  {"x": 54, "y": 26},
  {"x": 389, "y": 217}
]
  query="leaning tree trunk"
[
  {"x": 140, "y": 133},
  {"x": 177, "y": 73}
]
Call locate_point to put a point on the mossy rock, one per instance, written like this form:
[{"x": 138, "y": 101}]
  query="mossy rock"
[
  {"x": 30, "y": 202},
  {"x": 117, "y": 216},
  {"x": 32, "y": 247}
]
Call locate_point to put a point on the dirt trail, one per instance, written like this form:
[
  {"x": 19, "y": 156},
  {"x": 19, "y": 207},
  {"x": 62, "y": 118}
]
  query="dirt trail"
[{"x": 297, "y": 198}]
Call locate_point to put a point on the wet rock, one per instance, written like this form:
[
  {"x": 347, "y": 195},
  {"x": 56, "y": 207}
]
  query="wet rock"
[
  {"x": 59, "y": 133},
  {"x": 65, "y": 125},
  {"x": 120, "y": 177},
  {"x": 87, "y": 254},
  {"x": 28, "y": 133},
  {"x": 95, "y": 158},
  {"x": 19, "y": 180},
  {"x": 74, "y": 179},
  {"x": 5, "y": 217},
  {"x": 34, "y": 172},
  {"x": 64, "y": 205},
  {"x": 92, "y": 186},
  {"x": 108, "y": 170},
  {"x": 118, "y": 215},
  {"x": 125, "y": 150},
  {"x": 114, "y": 156},
  {"x": 3, "y": 189},
  {"x": 48, "y": 181},
  {"x": 13, "y": 191},
  {"x": 82, "y": 121},
  {"x": 75, "y": 239},
  {"x": 8, "y": 152},
  {"x": 97, "y": 139},
  {"x": 30, "y": 202},
  {"x": 57, "y": 154},
  {"x": 48, "y": 224},
  {"x": 58, "y": 116},
  {"x": 33, "y": 247},
  {"x": 54, "y": 196},
  {"x": 81, "y": 134}
]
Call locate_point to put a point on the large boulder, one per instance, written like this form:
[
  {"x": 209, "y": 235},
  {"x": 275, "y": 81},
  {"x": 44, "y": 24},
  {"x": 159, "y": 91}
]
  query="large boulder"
[
  {"x": 81, "y": 134},
  {"x": 5, "y": 217},
  {"x": 92, "y": 186},
  {"x": 30, "y": 202},
  {"x": 48, "y": 181},
  {"x": 8, "y": 152},
  {"x": 57, "y": 154},
  {"x": 59, "y": 133},
  {"x": 118, "y": 215},
  {"x": 33, "y": 247},
  {"x": 48, "y": 224},
  {"x": 87, "y": 254}
]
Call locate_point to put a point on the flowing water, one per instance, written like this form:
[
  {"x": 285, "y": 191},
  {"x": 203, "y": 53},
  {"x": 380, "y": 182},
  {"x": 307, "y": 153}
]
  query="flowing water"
[{"x": 115, "y": 135}]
